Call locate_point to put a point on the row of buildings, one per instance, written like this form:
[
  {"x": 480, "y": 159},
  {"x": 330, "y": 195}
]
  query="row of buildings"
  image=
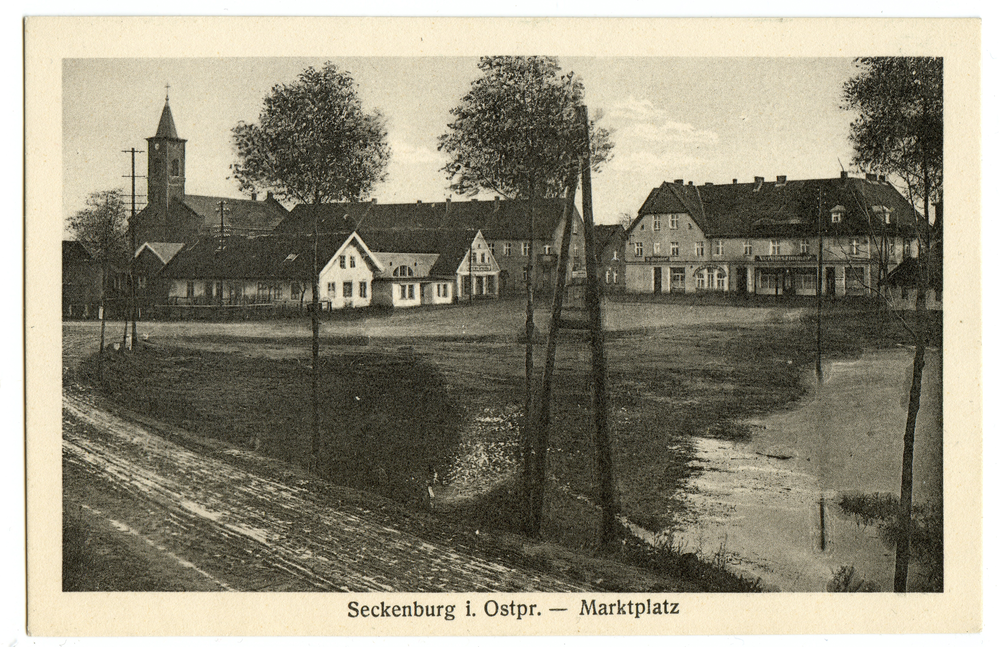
[{"x": 761, "y": 237}]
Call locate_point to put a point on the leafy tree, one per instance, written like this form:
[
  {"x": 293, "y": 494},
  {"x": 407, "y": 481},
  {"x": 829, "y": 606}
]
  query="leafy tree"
[
  {"x": 101, "y": 227},
  {"x": 899, "y": 131},
  {"x": 314, "y": 144},
  {"x": 517, "y": 133}
]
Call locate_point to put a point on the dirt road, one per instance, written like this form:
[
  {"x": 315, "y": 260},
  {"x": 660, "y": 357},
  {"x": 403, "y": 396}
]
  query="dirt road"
[{"x": 228, "y": 528}]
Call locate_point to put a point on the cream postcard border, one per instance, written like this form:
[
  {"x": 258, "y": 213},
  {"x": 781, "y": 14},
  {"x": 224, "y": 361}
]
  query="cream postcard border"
[{"x": 49, "y": 40}]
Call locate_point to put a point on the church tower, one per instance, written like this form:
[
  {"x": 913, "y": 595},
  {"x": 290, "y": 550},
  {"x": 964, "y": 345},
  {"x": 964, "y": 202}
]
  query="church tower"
[{"x": 165, "y": 175}]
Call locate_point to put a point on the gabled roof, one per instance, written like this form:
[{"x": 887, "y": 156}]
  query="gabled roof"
[
  {"x": 605, "y": 235},
  {"x": 265, "y": 257},
  {"x": 497, "y": 219},
  {"x": 73, "y": 251},
  {"x": 163, "y": 251},
  {"x": 791, "y": 208},
  {"x": 251, "y": 216}
]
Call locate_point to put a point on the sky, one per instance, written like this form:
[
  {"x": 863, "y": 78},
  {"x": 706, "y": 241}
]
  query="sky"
[{"x": 696, "y": 119}]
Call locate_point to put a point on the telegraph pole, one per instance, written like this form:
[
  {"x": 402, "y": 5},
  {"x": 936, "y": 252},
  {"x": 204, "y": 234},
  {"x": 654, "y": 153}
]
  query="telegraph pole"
[{"x": 133, "y": 305}]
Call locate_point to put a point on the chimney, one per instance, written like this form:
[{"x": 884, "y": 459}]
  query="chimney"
[
  {"x": 253, "y": 194},
  {"x": 881, "y": 178},
  {"x": 843, "y": 175},
  {"x": 270, "y": 196},
  {"x": 708, "y": 184},
  {"x": 679, "y": 181},
  {"x": 496, "y": 203},
  {"x": 758, "y": 182},
  {"x": 418, "y": 202},
  {"x": 782, "y": 179},
  {"x": 871, "y": 177},
  {"x": 447, "y": 205},
  {"x": 690, "y": 183},
  {"x": 734, "y": 181},
  {"x": 374, "y": 200}
]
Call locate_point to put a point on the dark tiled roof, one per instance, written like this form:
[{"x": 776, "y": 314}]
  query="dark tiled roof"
[
  {"x": 73, "y": 251},
  {"x": 497, "y": 219},
  {"x": 781, "y": 209},
  {"x": 605, "y": 235},
  {"x": 252, "y": 216},
  {"x": 265, "y": 257}
]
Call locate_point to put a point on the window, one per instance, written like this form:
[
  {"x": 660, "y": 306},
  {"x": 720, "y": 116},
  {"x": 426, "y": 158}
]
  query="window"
[
  {"x": 676, "y": 278},
  {"x": 675, "y": 221},
  {"x": 775, "y": 248},
  {"x": 353, "y": 262},
  {"x": 699, "y": 248},
  {"x": 675, "y": 249},
  {"x": 405, "y": 270},
  {"x": 854, "y": 279},
  {"x": 506, "y": 249},
  {"x": 699, "y": 279},
  {"x": 907, "y": 249},
  {"x": 614, "y": 276},
  {"x": 748, "y": 248},
  {"x": 803, "y": 246},
  {"x": 482, "y": 258},
  {"x": 348, "y": 289},
  {"x": 331, "y": 289},
  {"x": 656, "y": 249},
  {"x": 656, "y": 223},
  {"x": 855, "y": 246},
  {"x": 718, "y": 247},
  {"x": 638, "y": 248},
  {"x": 409, "y": 291},
  {"x": 547, "y": 249},
  {"x": 363, "y": 289},
  {"x": 343, "y": 262},
  {"x": 444, "y": 290},
  {"x": 190, "y": 289},
  {"x": 768, "y": 282},
  {"x": 892, "y": 248},
  {"x": 492, "y": 247},
  {"x": 805, "y": 281},
  {"x": 524, "y": 249},
  {"x": 837, "y": 214},
  {"x": 607, "y": 276},
  {"x": 175, "y": 167},
  {"x": 614, "y": 255}
]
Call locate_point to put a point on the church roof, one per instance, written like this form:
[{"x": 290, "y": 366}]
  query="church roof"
[{"x": 166, "y": 129}]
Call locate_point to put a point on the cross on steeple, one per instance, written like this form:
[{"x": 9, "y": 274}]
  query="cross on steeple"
[{"x": 168, "y": 92}]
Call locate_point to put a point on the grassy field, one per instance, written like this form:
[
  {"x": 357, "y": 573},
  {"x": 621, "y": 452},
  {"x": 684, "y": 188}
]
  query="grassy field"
[{"x": 408, "y": 394}]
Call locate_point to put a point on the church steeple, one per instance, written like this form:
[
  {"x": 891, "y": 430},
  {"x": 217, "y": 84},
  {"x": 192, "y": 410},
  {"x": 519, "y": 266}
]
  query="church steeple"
[{"x": 165, "y": 177}]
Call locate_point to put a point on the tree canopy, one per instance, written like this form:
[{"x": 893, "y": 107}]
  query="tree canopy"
[
  {"x": 518, "y": 130},
  {"x": 102, "y": 226},
  {"x": 315, "y": 142},
  {"x": 899, "y": 130}
]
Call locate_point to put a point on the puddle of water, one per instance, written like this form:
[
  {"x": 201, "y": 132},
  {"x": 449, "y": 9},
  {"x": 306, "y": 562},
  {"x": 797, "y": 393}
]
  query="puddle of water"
[{"x": 757, "y": 503}]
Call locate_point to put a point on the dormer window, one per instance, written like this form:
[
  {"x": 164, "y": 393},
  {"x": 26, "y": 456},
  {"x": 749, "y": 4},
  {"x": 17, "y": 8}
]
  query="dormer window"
[{"x": 837, "y": 214}]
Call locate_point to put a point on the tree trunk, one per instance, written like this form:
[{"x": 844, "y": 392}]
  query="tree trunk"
[
  {"x": 527, "y": 435},
  {"x": 537, "y": 494},
  {"x": 314, "y": 456},
  {"x": 920, "y": 334},
  {"x": 599, "y": 368},
  {"x": 103, "y": 314}
]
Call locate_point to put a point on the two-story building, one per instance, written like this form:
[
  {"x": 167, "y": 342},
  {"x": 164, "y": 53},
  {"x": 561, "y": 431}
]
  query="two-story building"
[
  {"x": 765, "y": 237},
  {"x": 504, "y": 225}
]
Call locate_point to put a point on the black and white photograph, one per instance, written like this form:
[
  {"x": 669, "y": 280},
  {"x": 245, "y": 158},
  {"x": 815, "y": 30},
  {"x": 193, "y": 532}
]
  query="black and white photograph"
[{"x": 489, "y": 338}]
